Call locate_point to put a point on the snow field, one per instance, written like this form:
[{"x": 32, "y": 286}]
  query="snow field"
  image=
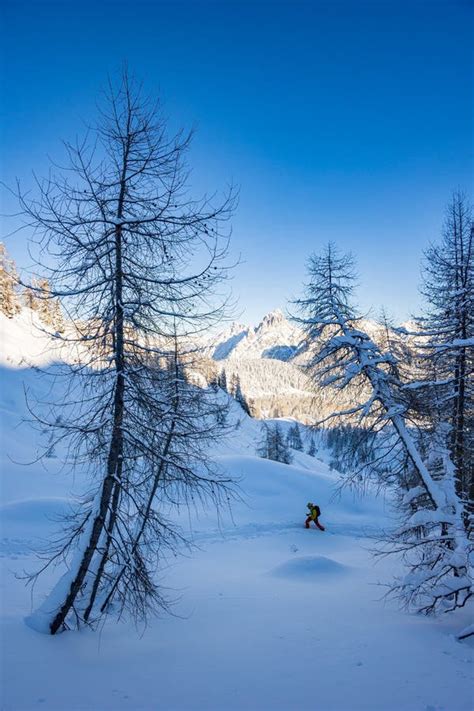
[{"x": 267, "y": 615}]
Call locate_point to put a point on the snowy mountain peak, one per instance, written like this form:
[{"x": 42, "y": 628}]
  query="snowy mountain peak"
[
  {"x": 235, "y": 328},
  {"x": 274, "y": 337},
  {"x": 272, "y": 320}
]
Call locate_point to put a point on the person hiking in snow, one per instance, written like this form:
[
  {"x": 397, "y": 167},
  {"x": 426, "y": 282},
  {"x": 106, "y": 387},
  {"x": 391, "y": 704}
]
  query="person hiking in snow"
[{"x": 314, "y": 514}]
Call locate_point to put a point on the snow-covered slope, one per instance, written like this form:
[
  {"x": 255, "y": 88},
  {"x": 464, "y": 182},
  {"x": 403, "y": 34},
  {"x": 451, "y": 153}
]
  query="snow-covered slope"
[
  {"x": 221, "y": 346},
  {"x": 268, "y": 615},
  {"x": 24, "y": 341},
  {"x": 266, "y": 611}
]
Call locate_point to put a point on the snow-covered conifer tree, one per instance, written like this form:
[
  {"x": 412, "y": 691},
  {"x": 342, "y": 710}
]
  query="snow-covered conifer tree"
[
  {"x": 37, "y": 297},
  {"x": 9, "y": 302},
  {"x": 445, "y": 344},
  {"x": 312, "y": 451},
  {"x": 233, "y": 384},
  {"x": 240, "y": 397},
  {"x": 282, "y": 451},
  {"x": 431, "y": 536},
  {"x": 273, "y": 444},
  {"x": 265, "y": 445},
  {"x": 294, "y": 437},
  {"x": 223, "y": 380}
]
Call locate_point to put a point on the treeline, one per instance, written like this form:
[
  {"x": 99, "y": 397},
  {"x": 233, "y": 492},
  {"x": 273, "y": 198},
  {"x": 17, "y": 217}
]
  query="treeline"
[
  {"x": 270, "y": 388},
  {"x": 278, "y": 446}
]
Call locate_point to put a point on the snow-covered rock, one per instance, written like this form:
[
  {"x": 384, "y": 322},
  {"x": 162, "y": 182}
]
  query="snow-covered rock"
[{"x": 275, "y": 337}]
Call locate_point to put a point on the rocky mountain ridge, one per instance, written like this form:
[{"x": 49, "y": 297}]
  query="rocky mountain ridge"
[{"x": 276, "y": 337}]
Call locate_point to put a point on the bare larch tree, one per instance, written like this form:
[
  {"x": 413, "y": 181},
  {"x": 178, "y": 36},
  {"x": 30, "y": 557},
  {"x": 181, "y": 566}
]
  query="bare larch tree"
[{"x": 139, "y": 267}]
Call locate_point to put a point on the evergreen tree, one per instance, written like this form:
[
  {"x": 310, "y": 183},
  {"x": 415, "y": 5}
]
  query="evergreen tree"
[
  {"x": 342, "y": 356},
  {"x": 233, "y": 384},
  {"x": 38, "y": 298},
  {"x": 294, "y": 438},
  {"x": 446, "y": 344},
  {"x": 212, "y": 377},
  {"x": 281, "y": 449},
  {"x": 223, "y": 380},
  {"x": 265, "y": 446},
  {"x": 273, "y": 444},
  {"x": 312, "y": 451},
  {"x": 239, "y": 396}
]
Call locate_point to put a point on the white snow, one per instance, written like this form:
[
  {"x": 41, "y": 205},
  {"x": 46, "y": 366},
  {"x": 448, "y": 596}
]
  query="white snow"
[
  {"x": 273, "y": 338},
  {"x": 23, "y": 340},
  {"x": 268, "y": 615},
  {"x": 314, "y": 569}
]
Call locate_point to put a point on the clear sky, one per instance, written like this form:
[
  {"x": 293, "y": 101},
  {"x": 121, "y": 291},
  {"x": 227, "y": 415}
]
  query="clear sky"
[{"x": 345, "y": 120}]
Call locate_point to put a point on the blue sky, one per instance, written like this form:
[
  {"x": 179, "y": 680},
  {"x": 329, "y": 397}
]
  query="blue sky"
[{"x": 343, "y": 120}]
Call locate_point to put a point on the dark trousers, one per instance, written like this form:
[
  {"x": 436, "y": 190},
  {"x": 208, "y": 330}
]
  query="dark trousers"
[{"x": 308, "y": 521}]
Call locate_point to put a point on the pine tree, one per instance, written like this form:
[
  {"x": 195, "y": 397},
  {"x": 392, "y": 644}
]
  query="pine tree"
[
  {"x": 233, "y": 384},
  {"x": 294, "y": 438},
  {"x": 28, "y": 298},
  {"x": 212, "y": 376},
  {"x": 38, "y": 298},
  {"x": 265, "y": 444},
  {"x": 239, "y": 396},
  {"x": 281, "y": 449},
  {"x": 223, "y": 380},
  {"x": 312, "y": 451},
  {"x": 273, "y": 444}
]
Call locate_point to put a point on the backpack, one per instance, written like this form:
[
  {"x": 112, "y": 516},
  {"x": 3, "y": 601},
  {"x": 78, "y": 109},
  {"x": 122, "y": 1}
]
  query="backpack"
[{"x": 314, "y": 508}]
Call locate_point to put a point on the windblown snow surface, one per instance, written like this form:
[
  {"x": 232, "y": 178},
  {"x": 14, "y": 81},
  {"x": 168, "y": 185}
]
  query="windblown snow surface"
[{"x": 268, "y": 615}]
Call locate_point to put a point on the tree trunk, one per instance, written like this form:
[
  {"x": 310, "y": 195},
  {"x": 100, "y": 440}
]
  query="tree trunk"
[{"x": 111, "y": 483}]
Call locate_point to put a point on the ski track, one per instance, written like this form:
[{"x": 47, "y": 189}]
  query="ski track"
[
  {"x": 249, "y": 531},
  {"x": 14, "y": 547}
]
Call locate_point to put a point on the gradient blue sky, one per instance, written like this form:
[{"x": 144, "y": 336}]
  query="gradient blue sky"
[{"x": 344, "y": 120}]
